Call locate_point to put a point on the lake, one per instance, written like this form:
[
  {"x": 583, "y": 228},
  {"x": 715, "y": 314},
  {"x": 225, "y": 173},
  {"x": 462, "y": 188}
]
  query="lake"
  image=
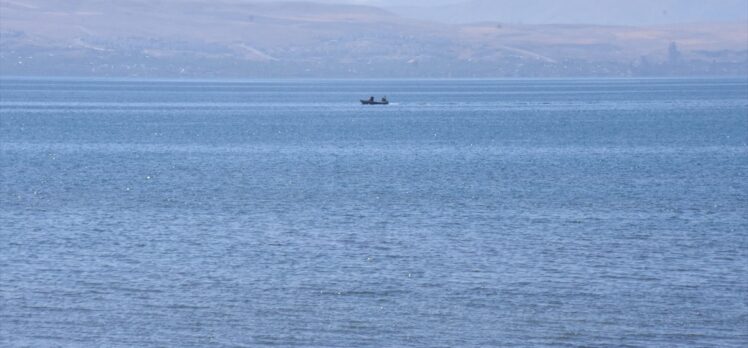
[{"x": 468, "y": 213}]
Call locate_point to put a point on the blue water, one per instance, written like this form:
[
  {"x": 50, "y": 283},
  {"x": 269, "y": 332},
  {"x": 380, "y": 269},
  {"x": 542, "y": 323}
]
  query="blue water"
[{"x": 282, "y": 213}]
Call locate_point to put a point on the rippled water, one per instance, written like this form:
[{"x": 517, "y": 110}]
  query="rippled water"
[{"x": 282, "y": 213}]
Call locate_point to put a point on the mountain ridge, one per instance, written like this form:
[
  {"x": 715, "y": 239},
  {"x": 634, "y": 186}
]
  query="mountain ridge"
[{"x": 231, "y": 38}]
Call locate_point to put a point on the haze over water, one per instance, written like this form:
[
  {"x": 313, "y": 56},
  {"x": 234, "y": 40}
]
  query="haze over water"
[{"x": 468, "y": 213}]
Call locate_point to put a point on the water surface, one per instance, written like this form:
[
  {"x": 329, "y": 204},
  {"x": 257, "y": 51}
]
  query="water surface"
[{"x": 282, "y": 213}]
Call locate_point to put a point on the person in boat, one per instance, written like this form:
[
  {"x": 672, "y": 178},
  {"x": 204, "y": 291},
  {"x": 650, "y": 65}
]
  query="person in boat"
[
  {"x": 371, "y": 99},
  {"x": 384, "y": 99}
]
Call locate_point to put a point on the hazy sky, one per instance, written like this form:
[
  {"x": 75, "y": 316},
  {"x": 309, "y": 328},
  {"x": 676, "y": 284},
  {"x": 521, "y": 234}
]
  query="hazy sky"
[
  {"x": 605, "y": 12},
  {"x": 602, "y": 12},
  {"x": 614, "y": 12},
  {"x": 389, "y": 2}
]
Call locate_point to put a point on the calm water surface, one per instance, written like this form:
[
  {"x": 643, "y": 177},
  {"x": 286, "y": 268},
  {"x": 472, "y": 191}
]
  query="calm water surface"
[{"x": 282, "y": 213}]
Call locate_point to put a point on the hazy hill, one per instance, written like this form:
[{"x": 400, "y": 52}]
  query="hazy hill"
[{"x": 234, "y": 38}]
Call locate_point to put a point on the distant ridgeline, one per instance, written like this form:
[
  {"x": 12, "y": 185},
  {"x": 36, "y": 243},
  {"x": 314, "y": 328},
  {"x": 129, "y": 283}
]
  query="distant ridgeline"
[{"x": 172, "y": 38}]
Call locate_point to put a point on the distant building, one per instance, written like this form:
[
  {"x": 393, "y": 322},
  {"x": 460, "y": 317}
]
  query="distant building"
[{"x": 674, "y": 55}]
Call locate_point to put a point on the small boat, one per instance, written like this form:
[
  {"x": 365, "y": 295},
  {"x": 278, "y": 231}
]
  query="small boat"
[{"x": 371, "y": 101}]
